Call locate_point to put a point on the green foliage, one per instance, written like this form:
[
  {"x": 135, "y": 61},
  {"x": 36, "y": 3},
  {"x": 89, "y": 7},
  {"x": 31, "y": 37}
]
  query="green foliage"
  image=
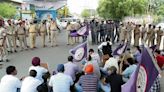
[
  {"x": 7, "y": 10},
  {"x": 117, "y": 9},
  {"x": 85, "y": 13},
  {"x": 64, "y": 12}
]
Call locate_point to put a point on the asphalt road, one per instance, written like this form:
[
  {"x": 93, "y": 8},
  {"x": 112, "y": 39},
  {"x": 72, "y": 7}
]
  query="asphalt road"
[{"x": 51, "y": 55}]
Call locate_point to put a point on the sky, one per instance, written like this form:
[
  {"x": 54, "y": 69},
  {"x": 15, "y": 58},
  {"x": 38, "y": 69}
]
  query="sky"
[{"x": 77, "y": 6}]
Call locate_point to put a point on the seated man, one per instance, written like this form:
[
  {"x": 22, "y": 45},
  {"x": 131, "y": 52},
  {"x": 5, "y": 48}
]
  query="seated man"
[
  {"x": 39, "y": 69},
  {"x": 60, "y": 82},
  {"x": 88, "y": 82},
  {"x": 9, "y": 82},
  {"x": 30, "y": 83}
]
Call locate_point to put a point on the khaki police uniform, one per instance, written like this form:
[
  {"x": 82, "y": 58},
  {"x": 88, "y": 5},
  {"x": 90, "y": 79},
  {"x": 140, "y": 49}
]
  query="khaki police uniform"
[
  {"x": 123, "y": 34},
  {"x": 159, "y": 37},
  {"x": 9, "y": 37},
  {"x": 48, "y": 30},
  {"x": 143, "y": 34},
  {"x": 3, "y": 49},
  {"x": 148, "y": 36},
  {"x": 152, "y": 37},
  {"x": 136, "y": 36},
  {"x": 32, "y": 34},
  {"x": 69, "y": 28},
  {"x": 14, "y": 37},
  {"x": 43, "y": 33},
  {"x": 21, "y": 37},
  {"x": 54, "y": 32},
  {"x": 76, "y": 27},
  {"x": 129, "y": 32}
]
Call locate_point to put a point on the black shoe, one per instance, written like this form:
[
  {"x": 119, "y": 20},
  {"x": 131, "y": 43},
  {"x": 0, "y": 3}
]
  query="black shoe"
[
  {"x": 1, "y": 60},
  {"x": 15, "y": 51},
  {"x": 7, "y": 60}
]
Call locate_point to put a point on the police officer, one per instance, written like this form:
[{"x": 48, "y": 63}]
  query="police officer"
[
  {"x": 69, "y": 28},
  {"x": 33, "y": 30},
  {"x": 92, "y": 27},
  {"x": 123, "y": 33},
  {"x": 148, "y": 34},
  {"x": 54, "y": 31},
  {"x": 117, "y": 25},
  {"x": 102, "y": 31},
  {"x": 136, "y": 35},
  {"x": 9, "y": 35},
  {"x": 159, "y": 36},
  {"x": 21, "y": 36},
  {"x": 48, "y": 30},
  {"x": 96, "y": 32},
  {"x": 143, "y": 33},
  {"x": 129, "y": 32},
  {"x": 76, "y": 28},
  {"x": 43, "y": 32},
  {"x": 3, "y": 49},
  {"x": 152, "y": 38}
]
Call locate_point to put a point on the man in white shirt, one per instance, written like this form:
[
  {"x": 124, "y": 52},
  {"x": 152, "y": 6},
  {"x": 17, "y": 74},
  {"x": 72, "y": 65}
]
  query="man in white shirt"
[
  {"x": 39, "y": 69},
  {"x": 95, "y": 56},
  {"x": 111, "y": 62},
  {"x": 30, "y": 83},
  {"x": 60, "y": 82},
  {"x": 10, "y": 83}
]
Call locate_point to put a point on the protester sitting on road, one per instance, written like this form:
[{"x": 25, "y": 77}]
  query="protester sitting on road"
[
  {"x": 39, "y": 69},
  {"x": 137, "y": 54},
  {"x": 114, "y": 79},
  {"x": 44, "y": 86},
  {"x": 88, "y": 82},
  {"x": 104, "y": 50},
  {"x": 160, "y": 58},
  {"x": 71, "y": 69},
  {"x": 129, "y": 70},
  {"x": 9, "y": 82},
  {"x": 30, "y": 83},
  {"x": 156, "y": 87},
  {"x": 105, "y": 47},
  {"x": 94, "y": 55},
  {"x": 111, "y": 62},
  {"x": 60, "y": 82},
  {"x": 95, "y": 64},
  {"x": 104, "y": 87}
]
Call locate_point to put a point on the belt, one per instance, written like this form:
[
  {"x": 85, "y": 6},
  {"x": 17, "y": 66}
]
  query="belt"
[
  {"x": 42, "y": 31},
  {"x": 21, "y": 34},
  {"x": 53, "y": 30},
  {"x": 9, "y": 34},
  {"x": 32, "y": 32}
]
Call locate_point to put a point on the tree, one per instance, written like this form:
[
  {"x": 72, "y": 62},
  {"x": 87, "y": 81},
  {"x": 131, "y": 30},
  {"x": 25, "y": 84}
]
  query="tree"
[
  {"x": 85, "y": 13},
  {"x": 7, "y": 10},
  {"x": 63, "y": 12},
  {"x": 117, "y": 9}
]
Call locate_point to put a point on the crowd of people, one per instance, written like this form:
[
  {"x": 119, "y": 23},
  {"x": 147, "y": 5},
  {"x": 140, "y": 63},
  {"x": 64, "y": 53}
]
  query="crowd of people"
[
  {"x": 16, "y": 34},
  {"x": 121, "y": 32},
  {"x": 99, "y": 72},
  {"x": 93, "y": 74}
]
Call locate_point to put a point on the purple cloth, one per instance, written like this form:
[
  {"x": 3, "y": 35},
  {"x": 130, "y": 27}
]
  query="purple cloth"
[
  {"x": 137, "y": 56},
  {"x": 120, "y": 49},
  {"x": 71, "y": 69},
  {"x": 83, "y": 31},
  {"x": 147, "y": 71},
  {"x": 79, "y": 52}
]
